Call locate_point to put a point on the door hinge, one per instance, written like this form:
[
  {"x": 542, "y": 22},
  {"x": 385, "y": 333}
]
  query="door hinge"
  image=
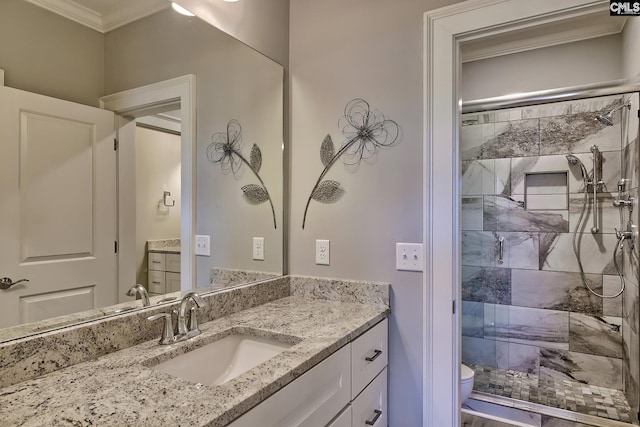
[
  {"x": 638, "y": 113},
  {"x": 115, "y": 247},
  {"x": 453, "y": 306},
  {"x": 115, "y": 144}
]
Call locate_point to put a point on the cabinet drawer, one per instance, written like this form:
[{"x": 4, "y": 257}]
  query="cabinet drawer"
[
  {"x": 172, "y": 263},
  {"x": 156, "y": 282},
  {"x": 172, "y": 282},
  {"x": 156, "y": 261},
  {"x": 343, "y": 420},
  {"x": 370, "y": 408},
  {"x": 369, "y": 355},
  {"x": 310, "y": 401}
]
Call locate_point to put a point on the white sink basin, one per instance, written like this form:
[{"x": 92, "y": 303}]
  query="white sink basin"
[{"x": 222, "y": 360}]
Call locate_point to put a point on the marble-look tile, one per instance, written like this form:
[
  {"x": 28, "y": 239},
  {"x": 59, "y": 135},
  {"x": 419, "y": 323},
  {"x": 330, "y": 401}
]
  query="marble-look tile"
[
  {"x": 478, "y": 177},
  {"x": 585, "y": 368},
  {"x": 546, "y": 202},
  {"x": 516, "y": 138},
  {"x": 576, "y": 133},
  {"x": 531, "y": 326},
  {"x": 507, "y": 214},
  {"x": 484, "y": 284},
  {"x": 631, "y": 377},
  {"x": 503, "y": 176},
  {"x": 596, "y": 252},
  {"x": 474, "y": 139},
  {"x": 608, "y": 215},
  {"x": 630, "y": 162},
  {"x": 482, "y": 249},
  {"x": 472, "y": 213},
  {"x": 596, "y": 105},
  {"x": 630, "y": 120},
  {"x": 611, "y": 286},
  {"x": 556, "y": 290},
  {"x": 470, "y": 420},
  {"x": 547, "y": 110},
  {"x": 548, "y": 421},
  {"x": 479, "y": 351},
  {"x": 601, "y": 336},
  {"x": 478, "y": 118},
  {"x": 523, "y": 358},
  {"x": 630, "y": 306},
  {"x": 472, "y": 319},
  {"x": 496, "y": 324}
]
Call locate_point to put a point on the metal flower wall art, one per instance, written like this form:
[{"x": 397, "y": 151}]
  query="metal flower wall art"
[
  {"x": 365, "y": 131},
  {"x": 225, "y": 149}
]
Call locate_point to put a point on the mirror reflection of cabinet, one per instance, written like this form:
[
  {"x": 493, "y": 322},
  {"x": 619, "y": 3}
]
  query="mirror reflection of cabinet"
[{"x": 164, "y": 273}]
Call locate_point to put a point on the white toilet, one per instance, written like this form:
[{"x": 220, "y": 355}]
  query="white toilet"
[{"x": 466, "y": 382}]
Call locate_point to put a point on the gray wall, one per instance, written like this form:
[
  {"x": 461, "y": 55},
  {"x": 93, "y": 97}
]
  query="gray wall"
[
  {"x": 586, "y": 61},
  {"x": 233, "y": 82},
  {"x": 631, "y": 49},
  {"x": 45, "y": 53},
  {"x": 342, "y": 50}
]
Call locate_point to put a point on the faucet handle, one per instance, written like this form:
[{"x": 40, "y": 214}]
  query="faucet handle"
[
  {"x": 194, "y": 330},
  {"x": 167, "y": 331}
]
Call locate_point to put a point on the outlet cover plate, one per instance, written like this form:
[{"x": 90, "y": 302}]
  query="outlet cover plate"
[
  {"x": 203, "y": 245},
  {"x": 258, "y": 248},
  {"x": 409, "y": 256},
  {"x": 322, "y": 252}
]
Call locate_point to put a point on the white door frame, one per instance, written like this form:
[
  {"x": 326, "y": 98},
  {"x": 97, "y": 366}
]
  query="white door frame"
[
  {"x": 140, "y": 102},
  {"x": 445, "y": 30}
]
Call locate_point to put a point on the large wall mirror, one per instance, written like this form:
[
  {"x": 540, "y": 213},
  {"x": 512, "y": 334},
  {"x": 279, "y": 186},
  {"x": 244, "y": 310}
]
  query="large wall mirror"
[{"x": 55, "y": 71}]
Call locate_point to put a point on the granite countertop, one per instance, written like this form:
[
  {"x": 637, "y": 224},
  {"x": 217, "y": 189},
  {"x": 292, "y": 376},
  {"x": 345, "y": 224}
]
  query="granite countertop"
[
  {"x": 165, "y": 246},
  {"x": 119, "y": 390}
]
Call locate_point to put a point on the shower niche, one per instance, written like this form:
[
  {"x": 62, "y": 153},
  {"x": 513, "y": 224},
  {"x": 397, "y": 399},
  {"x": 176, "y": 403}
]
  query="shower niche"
[{"x": 549, "y": 282}]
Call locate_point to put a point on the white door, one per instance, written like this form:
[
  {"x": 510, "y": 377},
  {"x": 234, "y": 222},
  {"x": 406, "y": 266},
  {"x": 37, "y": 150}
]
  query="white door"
[{"x": 57, "y": 207}]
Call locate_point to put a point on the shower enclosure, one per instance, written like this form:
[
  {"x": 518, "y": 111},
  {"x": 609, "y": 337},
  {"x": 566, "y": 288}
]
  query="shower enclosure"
[{"x": 550, "y": 255}]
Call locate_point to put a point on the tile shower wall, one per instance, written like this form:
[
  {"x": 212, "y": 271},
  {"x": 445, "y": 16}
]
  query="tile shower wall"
[
  {"x": 630, "y": 307},
  {"x": 530, "y": 312}
]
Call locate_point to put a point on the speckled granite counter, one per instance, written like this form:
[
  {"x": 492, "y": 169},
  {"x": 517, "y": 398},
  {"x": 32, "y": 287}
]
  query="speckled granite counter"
[
  {"x": 118, "y": 390},
  {"x": 166, "y": 246}
]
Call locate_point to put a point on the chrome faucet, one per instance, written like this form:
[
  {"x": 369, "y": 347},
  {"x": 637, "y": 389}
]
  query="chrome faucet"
[
  {"x": 139, "y": 289},
  {"x": 193, "y": 329},
  {"x": 184, "y": 332}
]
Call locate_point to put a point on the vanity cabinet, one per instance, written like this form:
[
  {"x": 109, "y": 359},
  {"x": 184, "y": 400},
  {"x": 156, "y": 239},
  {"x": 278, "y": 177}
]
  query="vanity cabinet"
[
  {"x": 164, "y": 272},
  {"x": 348, "y": 389}
]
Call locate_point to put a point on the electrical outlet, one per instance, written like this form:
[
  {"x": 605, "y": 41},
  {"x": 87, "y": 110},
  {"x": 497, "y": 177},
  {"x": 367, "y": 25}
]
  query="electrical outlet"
[
  {"x": 409, "y": 256},
  {"x": 258, "y": 248},
  {"x": 203, "y": 245},
  {"x": 322, "y": 252}
]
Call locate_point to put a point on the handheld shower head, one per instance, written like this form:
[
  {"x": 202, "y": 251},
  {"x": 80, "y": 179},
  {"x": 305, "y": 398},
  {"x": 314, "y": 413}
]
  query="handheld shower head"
[
  {"x": 607, "y": 118},
  {"x": 574, "y": 161}
]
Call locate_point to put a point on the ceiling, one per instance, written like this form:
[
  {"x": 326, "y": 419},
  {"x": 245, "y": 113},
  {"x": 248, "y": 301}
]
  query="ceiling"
[{"x": 103, "y": 15}]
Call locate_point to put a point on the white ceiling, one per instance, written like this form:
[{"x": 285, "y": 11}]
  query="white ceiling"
[{"x": 103, "y": 15}]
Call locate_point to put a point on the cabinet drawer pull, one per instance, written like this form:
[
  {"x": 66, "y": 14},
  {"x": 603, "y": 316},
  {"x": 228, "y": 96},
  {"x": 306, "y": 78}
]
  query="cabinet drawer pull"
[
  {"x": 156, "y": 262},
  {"x": 375, "y": 417},
  {"x": 157, "y": 283},
  {"x": 374, "y": 357}
]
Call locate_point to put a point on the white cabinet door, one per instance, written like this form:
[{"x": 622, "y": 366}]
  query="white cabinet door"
[
  {"x": 344, "y": 420},
  {"x": 172, "y": 282},
  {"x": 310, "y": 401},
  {"x": 57, "y": 204},
  {"x": 370, "y": 408},
  {"x": 369, "y": 355},
  {"x": 172, "y": 263}
]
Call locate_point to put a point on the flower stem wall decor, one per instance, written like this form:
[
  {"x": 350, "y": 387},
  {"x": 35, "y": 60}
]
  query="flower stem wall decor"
[
  {"x": 225, "y": 149},
  {"x": 364, "y": 130}
]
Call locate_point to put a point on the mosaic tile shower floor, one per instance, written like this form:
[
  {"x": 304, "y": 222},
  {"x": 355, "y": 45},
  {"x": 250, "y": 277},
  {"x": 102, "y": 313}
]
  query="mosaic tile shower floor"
[{"x": 563, "y": 394}]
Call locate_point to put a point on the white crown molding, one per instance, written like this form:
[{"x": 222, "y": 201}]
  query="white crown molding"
[
  {"x": 72, "y": 10},
  {"x": 582, "y": 28},
  {"x": 126, "y": 12}
]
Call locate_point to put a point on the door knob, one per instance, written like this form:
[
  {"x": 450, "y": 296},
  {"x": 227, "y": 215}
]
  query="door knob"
[{"x": 6, "y": 283}]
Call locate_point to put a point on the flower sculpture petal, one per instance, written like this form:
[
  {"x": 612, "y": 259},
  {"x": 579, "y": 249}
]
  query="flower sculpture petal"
[
  {"x": 225, "y": 147},
  {"x": 365, "y": 130}
]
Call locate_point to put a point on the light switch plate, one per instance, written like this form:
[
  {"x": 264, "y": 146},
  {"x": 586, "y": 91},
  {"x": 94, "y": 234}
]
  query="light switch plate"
[
  {"x": 322, "y": 252},
  {"x": 203, "y": 245},
  {"x": 409, "y": 256},
  {"x": 258, "y": 248}
]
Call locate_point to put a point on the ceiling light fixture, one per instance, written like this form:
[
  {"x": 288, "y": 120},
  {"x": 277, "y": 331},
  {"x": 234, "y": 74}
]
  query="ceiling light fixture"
[
  {"x": 181, "y": 9},
  {"x": 231, "y": 1}
]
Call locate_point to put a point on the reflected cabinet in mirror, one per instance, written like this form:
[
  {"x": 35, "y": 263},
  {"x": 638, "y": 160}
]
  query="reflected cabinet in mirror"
[{"x": 78, "y": 182}]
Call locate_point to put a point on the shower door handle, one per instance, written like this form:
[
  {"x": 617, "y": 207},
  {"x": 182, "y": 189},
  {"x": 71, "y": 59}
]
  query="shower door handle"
[{"x": 501, "y": 250}]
